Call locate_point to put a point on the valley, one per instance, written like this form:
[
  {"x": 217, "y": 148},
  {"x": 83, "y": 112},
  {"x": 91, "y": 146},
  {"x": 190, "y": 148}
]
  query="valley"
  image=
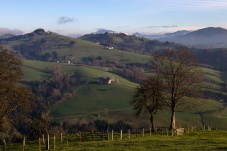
[{"x": 89, "y": 61}]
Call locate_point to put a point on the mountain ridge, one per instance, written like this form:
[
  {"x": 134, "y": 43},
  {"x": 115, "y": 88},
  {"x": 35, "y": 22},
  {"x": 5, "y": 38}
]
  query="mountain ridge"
[{"x": 210, "y": 37}]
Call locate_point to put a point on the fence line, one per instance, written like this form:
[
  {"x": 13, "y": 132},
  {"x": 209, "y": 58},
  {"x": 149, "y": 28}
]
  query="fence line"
[{"x": 50, "y": 142}]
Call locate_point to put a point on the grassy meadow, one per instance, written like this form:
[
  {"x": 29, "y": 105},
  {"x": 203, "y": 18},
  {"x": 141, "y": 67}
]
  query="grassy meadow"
[
  {"x": 111, "y": 102},
  {"x": 197, "y": 140}
]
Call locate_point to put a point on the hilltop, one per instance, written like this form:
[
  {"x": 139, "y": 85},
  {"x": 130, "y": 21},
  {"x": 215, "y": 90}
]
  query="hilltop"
[
  {"x": 49, "y": 46},
  {"x": 130, "y": 43},
  {"x": 103, "y": 49}
]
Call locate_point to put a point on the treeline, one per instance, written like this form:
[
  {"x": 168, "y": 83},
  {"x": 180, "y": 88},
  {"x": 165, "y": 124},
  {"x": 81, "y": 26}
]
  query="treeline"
[
  {"x": 55, "y": 90},
  {"x": 213, "y": 58},
  {"x": 97, "y": 125},
  {"x": 134, "y": 74},
  {"x": 31, "y": 50},
  {"x": 125, "y": 42},
  {"x": 131, "y": 71}
]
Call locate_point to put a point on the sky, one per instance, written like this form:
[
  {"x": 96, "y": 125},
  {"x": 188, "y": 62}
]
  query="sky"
[{"x": 71, "y": 17}]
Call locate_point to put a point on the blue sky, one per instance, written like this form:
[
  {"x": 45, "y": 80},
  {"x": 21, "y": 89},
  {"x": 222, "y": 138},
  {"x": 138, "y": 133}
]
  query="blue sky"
[{"x": 129, "y": 16}]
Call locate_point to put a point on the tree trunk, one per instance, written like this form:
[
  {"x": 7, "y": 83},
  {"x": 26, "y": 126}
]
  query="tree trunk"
[
  {"x": 152, "y": 122},
  {"x": 173, "y": 120}
]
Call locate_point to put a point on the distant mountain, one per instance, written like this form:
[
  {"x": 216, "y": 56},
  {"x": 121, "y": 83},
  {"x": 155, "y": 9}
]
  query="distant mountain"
[
  {"x": 177, "y": 33},
  {"x": 75, "y": 35},
  {"x": 102, "y": 31},
  {"x": 210, "y": 37},
  {"x": 162, "y": 35}
]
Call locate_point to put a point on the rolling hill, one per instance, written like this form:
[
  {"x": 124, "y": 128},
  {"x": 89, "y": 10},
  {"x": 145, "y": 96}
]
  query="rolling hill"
[
  {"x": 111, "y": 102},
  {"x": 48, "y": 46},
  {"x": 125, "y": 42},
  {"x": 51, "y": 47},
  {"x": 91, "y": 101}
]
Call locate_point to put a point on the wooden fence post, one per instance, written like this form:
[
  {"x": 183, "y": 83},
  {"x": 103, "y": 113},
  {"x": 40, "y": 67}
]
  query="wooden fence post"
[
  {"x": 54, "y": 141},
  {"x": 24, "y": 141},
  {"x": 143, "y": 132},
  {"x": 108, "y": 135},
  {"x": 48, "y": 142},
  {"x": 39, "y": 144},
  {"x": 121, "y": 134},
  {"x": 44, "y": 139},
  {"x": 61, "y": 138},
  {"x": 23, "y": 144},
  {"x": 112, "y": 135},
  {"x": 128, "y": 134},
  {"x": 92, "y": 135},
  {"x": 4, "y": 143}
]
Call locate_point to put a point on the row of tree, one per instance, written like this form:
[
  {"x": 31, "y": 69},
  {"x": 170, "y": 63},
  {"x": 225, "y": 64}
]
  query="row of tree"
[{"x": 177, "y": 77}]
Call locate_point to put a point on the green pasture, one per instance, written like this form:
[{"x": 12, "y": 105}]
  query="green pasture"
[
  {"x": 80, "y": 49},
  {"x": 91, "y": 101},
  {"x": 95, "y": 98},
  {"x": 30, "y": 74},
  {"x": 196, "y": 140}
]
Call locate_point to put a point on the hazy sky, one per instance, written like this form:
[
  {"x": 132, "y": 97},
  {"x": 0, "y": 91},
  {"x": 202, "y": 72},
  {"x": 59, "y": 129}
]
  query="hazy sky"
[{"x": 128, "y": 16}]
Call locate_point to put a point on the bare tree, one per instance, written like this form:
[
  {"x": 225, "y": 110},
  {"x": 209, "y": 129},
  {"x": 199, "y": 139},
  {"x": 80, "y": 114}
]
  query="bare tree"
[
  {"x": 148, "y": 98},
  {"x": 182, "y": 78}
]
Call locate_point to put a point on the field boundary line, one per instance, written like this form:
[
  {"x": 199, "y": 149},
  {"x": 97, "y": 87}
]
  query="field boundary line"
[
  {"x": 82, "y": 114},
  {"x": 220, "y": 115}
]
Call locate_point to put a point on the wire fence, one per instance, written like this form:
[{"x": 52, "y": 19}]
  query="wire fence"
[{"x": 46, "y": 142}]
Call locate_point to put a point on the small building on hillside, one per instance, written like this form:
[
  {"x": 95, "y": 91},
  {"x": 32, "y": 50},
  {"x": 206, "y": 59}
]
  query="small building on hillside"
[
  {"x": 110, "y": 47},
  {"x": 106, "y": 80}
]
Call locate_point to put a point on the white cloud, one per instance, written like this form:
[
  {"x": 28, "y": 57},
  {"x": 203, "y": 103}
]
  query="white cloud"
[{"x": 64, "y": 20}]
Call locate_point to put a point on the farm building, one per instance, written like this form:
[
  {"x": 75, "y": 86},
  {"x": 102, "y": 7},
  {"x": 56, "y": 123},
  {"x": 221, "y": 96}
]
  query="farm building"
[{"x": 106, "y": 80}]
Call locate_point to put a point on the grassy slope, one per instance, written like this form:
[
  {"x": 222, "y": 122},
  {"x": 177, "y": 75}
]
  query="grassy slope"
[
  {"x": 199, "y": 140},
  {"x": 91, "y": 99},
  {"x": 95, "y": 98},
  {"x": 80, "y": 49},
  {"x": 32, "y": 74}
]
